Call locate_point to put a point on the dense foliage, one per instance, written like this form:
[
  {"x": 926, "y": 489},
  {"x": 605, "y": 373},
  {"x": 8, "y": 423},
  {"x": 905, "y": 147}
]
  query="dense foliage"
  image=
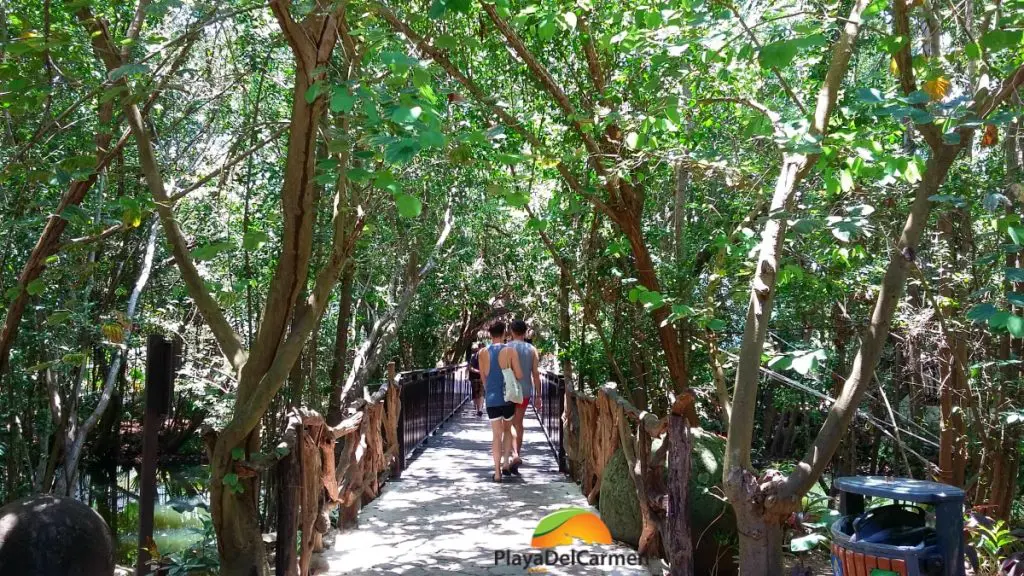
[{"x": 743, "y": 210}]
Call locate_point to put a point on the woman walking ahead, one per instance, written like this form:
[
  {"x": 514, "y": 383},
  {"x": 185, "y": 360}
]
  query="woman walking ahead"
[{"x": 493, "y": 360}]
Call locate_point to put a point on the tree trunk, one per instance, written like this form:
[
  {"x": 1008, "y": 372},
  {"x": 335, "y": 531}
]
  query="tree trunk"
[
  {"x": 680, "y": 544},
  {"x": 952, "y": 447}
]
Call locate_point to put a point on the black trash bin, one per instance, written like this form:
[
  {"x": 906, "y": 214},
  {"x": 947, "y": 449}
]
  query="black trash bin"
[{"x": 896, "y": 539}]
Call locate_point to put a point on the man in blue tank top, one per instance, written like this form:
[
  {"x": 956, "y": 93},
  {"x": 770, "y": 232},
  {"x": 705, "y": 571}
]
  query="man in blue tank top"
[
  {"x": 493, "y": 360},
  {"x": 529, "y": 381}
]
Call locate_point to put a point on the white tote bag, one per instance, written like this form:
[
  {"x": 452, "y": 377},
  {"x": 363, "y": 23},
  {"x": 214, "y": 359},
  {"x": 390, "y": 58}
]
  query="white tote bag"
[{"x": 513, "y": 392}]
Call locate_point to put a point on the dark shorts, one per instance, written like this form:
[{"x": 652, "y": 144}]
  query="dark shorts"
[
  {"x": 478, "y": 387},
  {"x": 503, "y": 412}
]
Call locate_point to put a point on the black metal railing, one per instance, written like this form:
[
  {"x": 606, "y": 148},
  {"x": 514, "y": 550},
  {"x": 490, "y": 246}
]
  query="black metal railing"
[
  {"x": 429, "y": 398},
  {"x": 550, "y": 414}
]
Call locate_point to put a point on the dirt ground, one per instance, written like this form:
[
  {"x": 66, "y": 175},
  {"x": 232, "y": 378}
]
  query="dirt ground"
[{"x": 814, "y": 563}]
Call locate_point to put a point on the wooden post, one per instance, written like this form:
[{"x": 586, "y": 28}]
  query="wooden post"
[
  {"x": 289, "y": 481},
  {"x": 159, "y": 379},
  {"x": 399, "y": 438}
]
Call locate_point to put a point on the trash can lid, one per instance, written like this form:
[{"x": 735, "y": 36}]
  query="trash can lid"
[{"x": 906, "y": 489}]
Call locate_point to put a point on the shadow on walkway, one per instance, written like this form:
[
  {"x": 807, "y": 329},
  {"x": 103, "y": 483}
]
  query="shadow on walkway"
[{"x": 445, "y": 515}]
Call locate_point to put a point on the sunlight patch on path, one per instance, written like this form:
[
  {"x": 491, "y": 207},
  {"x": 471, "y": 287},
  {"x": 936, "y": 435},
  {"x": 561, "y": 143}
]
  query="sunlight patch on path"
[{"x": 446, "y": 516}]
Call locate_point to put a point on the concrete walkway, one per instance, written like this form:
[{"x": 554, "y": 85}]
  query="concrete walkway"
[{"x": 445, "y": 515}]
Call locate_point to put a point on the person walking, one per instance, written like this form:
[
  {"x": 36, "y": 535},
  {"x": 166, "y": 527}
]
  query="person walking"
[
  {"x": 473, "y": 359},
  {"x": 493, "y": 360},
  {"x": 529, "y": 381}
]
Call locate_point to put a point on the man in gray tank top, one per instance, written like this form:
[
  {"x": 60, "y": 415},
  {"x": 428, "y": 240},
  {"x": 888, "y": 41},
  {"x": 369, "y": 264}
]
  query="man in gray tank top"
[{"x": 529, "y": 381}]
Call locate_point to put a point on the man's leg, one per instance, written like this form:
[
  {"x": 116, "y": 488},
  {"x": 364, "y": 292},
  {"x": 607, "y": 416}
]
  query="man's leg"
[
  {"x": 518, "y": 423},
  {"x": 508, "y": 442},
  {"x": 497, "y": 444}
]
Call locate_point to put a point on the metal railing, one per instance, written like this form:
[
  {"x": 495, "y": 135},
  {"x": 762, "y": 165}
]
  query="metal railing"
[
  {"x": 429, "y": 398},
  {"x": 550, "y": 414}
]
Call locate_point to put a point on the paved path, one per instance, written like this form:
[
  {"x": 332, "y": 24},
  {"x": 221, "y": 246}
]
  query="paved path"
[{"x": 445, "y": 516}]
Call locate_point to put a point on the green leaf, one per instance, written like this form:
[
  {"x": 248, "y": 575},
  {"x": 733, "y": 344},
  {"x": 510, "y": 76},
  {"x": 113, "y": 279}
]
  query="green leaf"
[
  {"x": 777, "y": 54},
  {"x": 208, "y": 251},
  {"x": 432, "y": 139},
  {"x": 517, "y": 199},
  {"x": 781, "y": 362},
  {"x": 76, "y": 359},
  {"x": 982, "y": 312},
  {"x": 870, "y": 95},
  {"x": 253, "y": 239},
  {"x": 547, "y": 29},
  {"x": 342, "y": 100},
  {"x": 918, "y": 97},
  {"x": 12, "y": 293},
  {"x": 438, "y": 9},
  {"x": 1016, "y": 234},
  {"x": 808, "y": 542},
  {"x": 237, "y": 453},
  {"x": 1015, "y": 274},
  {"x": 127, "y": 70},
  {"x": 536, "y": 224},
  {"x": 1002, "y": 39},
  {"x": 1015, "y": 298},
  {"x": 716, "y": 324},
  {"x": 35, "y": 287},
  {"x": 313, "y": 92},
  {"x": 1015, "y": 324},
  {"x": 406, "y": 114},
  {"x": 359, "y": 175},
  {"x": 631, "y": 140},
  {"x": 386, "y": 181},
  {"x": 401, "y": 151},
  {"x": 998, "y": 320},
  {"x": 804, "y": 363},
  {"x": 408, "y": 205},
  {"x": 845, "y": 180},
  {"x": 58, "y": 317}
]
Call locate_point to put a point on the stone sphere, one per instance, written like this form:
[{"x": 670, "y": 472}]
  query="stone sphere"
[{"x": 51, "y": 536}]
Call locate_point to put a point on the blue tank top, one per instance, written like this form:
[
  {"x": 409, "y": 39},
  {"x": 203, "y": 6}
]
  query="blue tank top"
[{"x": 494, "y": 387}]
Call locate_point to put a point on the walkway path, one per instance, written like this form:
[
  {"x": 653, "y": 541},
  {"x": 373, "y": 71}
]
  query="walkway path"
[{"x": 445, "y": 516}]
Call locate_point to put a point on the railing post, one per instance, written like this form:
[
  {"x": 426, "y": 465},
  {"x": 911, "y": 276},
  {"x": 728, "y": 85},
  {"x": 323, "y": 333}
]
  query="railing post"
[
  {"x": 562, "y": 465},
  {"x": 160, "y": 368},
  {"x": 399, "y": 464}
]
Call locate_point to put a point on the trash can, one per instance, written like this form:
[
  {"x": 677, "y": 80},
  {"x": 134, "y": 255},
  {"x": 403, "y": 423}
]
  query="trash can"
[{"x": 896, "y": 539}]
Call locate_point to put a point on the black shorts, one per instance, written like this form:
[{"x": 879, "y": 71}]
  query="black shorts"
[{"x": 504, "y": 412}]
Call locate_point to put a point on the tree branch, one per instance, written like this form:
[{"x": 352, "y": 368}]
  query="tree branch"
[
  {"x": 482, "y": 97},
  {"x": 545, "y": 79},
  {"x": 227, "y": 165},
  {"x": 771, "y": 115},
  {"x": 775, "y": 70},
  {"x": 228, "y": 340},
  {"x": 593, "y": 60},
  {"x": 904, "y": 62}
]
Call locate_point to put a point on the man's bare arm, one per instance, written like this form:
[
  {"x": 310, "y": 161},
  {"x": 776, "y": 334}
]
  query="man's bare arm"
[{"x": 485, "y": 365}]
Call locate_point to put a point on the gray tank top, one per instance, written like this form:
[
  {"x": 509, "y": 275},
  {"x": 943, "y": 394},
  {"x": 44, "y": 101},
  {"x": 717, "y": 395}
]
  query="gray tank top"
[{"x": 525, "y": 352}]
